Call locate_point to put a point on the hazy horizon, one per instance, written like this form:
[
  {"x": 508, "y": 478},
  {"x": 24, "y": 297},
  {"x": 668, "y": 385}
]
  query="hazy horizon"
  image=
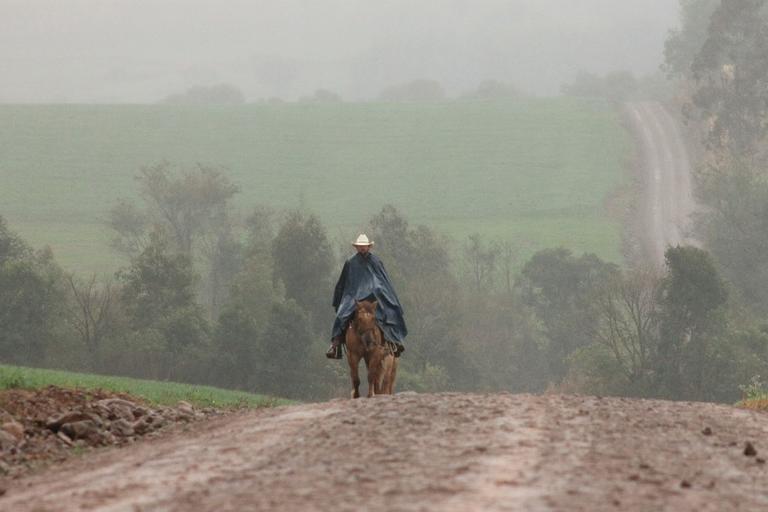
[{"x": 140, "y": 51}]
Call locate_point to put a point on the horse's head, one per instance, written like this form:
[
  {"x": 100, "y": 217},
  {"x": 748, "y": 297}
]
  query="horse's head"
[{"x": 365, "y": 321}]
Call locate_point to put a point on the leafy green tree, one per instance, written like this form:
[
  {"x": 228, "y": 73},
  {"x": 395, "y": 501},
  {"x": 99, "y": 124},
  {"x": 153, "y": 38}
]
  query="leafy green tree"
[
  {"x": 503, "y": 344},
  {"x": 730, "y": 97},
  {"x": 731, "y": 77},
  {"x": 191, "y": 205},
  {"x": 158, "y": 282},
  {"x": 131, "y": 226},
  {"x": 303, "y": 260},
  {"x": 560, "y": 288},
  {"x": 693, "y": 323},
  {"x": 12, "y": 247},
  {"x": 243, "y": 320},
  {"x": 752, "y": 364},
  {"x": 667, "y": 336},
  {"x": 260, "y": 230},
  {"x": 594, "y": 370},
  {"x": 25, "y": 313},
  {"x": 284, "y": 363},
  {"x": 226, "y": 258},
  {"x": 684, "y": 43},
  {"x": 158, "y": 294},
  {"x": 237, "y": 337},
  {"x": 691, "y": 292},
  {"x": 734, "y": 227},
  {"x": 31, "y": 298},
  {"x": 418, "y": 263},
  {"x": 391, "y": 232}
]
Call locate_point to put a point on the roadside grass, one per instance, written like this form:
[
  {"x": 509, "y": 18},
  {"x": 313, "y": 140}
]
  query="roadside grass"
[
  {"x": 537, "y": 172},
  {"x": 755, "y": 403},
  {"x": 754, "y": 394},
  {"x": 155, "y": 392}
]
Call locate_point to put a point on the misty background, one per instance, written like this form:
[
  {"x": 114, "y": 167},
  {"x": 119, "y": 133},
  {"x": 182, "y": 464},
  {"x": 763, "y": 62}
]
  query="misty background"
[
  {"x": 200, "y": 243},
  {"x": 139, "y": 51}
]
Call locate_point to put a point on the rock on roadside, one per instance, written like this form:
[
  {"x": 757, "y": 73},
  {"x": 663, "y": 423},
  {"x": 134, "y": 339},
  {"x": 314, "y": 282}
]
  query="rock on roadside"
[{"x": 43, "y": 426}]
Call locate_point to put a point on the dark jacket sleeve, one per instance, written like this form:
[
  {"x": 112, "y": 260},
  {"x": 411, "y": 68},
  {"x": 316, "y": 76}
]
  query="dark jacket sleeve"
[{"x": 339, "y": 291}]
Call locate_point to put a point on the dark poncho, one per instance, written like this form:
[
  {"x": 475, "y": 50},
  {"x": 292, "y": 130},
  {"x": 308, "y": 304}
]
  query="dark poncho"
[{"x": 364, "y": 277}]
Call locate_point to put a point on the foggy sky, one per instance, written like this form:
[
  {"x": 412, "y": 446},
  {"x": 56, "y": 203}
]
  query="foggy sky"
[{"x": 143, "y": 50}]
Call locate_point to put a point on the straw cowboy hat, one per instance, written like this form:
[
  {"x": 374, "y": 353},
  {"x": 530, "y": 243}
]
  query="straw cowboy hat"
[{"x": 362, "y": 240}]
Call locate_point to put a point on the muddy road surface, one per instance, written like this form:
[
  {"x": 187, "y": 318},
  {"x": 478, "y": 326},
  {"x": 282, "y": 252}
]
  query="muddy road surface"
[
  {"x": 453, "y": 452},
  {"x": 665, "y": 170}
]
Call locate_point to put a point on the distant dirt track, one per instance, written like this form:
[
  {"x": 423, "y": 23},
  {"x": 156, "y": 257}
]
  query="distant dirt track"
[
  {"x": 447, "y": 452},
  {"x": 664, "y": 162}
]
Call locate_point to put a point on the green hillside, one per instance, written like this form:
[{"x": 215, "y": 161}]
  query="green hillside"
[
  {"x": 537, "y": 172},
  {"x": 164, "y": 393}
]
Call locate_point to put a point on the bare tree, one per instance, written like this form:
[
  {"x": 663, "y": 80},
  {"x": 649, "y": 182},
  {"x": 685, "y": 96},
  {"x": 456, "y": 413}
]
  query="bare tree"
[
  {"x": 192, "y": 206},
  {"x": 628, "y": 321},
  {"x": 480, "y": 262},
  {"x": 93, "y": 312},
  {"x": 508, "y": 257}
]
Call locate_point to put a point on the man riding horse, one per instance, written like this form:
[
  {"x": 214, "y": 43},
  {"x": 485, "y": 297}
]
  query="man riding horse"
[{"x": 364, "y": 277}]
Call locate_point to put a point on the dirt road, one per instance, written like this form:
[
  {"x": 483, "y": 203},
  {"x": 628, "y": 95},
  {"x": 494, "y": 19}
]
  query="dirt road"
[
  {"x": 430, "y": 452},
  {"x": 666, "y": 173}
]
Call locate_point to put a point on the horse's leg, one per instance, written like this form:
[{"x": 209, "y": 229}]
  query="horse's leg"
[
  {"x": 386, "y": 372},
  {"x": 380, "y": 354},
  {"x": 367, "y": 359},
  {"x": 375, "y": 372},
  {"x": 354, "y": 362},
  {"x": 384, "y": 368},
  {"x": 377, "y": 380},
  {"x": 353, "y": 370},
  {"x": 391, "y": 374},
  {"x": 378, "y": 386},
  {"x": 372, "y": 374},
  {"x": 353, "y": 358}
]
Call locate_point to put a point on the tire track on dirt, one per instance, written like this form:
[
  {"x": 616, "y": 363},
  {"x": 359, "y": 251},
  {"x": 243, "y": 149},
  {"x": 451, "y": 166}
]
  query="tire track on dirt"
[
  {"x": 405, "y": 452},
  {"x": 447, "y": 452}
]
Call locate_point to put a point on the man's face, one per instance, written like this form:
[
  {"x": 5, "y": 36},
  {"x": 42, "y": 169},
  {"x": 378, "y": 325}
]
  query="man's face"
[{"x": 363, "y": 249}]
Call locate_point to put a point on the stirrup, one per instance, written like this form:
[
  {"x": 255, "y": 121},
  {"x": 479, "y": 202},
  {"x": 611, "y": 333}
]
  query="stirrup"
[{"x": 334, "y": 352}]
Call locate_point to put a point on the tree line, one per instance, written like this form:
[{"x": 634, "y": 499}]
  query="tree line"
[
  {"x": 210, "y": 296},
  {"x": 718, "y": 60}
]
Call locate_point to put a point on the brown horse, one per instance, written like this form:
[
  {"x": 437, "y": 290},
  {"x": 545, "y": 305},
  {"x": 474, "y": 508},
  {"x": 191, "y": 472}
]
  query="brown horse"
[{"x": 364, "y": 340}]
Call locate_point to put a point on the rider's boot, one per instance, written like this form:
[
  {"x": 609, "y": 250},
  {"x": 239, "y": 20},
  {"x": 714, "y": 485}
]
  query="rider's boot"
[{"x": 334, "y": 351}]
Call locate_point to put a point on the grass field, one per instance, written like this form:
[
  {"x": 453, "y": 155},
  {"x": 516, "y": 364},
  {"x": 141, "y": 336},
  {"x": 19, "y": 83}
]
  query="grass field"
[
  {"x": 536, "y": 172},
  {"x": 163, "y": 393}
]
